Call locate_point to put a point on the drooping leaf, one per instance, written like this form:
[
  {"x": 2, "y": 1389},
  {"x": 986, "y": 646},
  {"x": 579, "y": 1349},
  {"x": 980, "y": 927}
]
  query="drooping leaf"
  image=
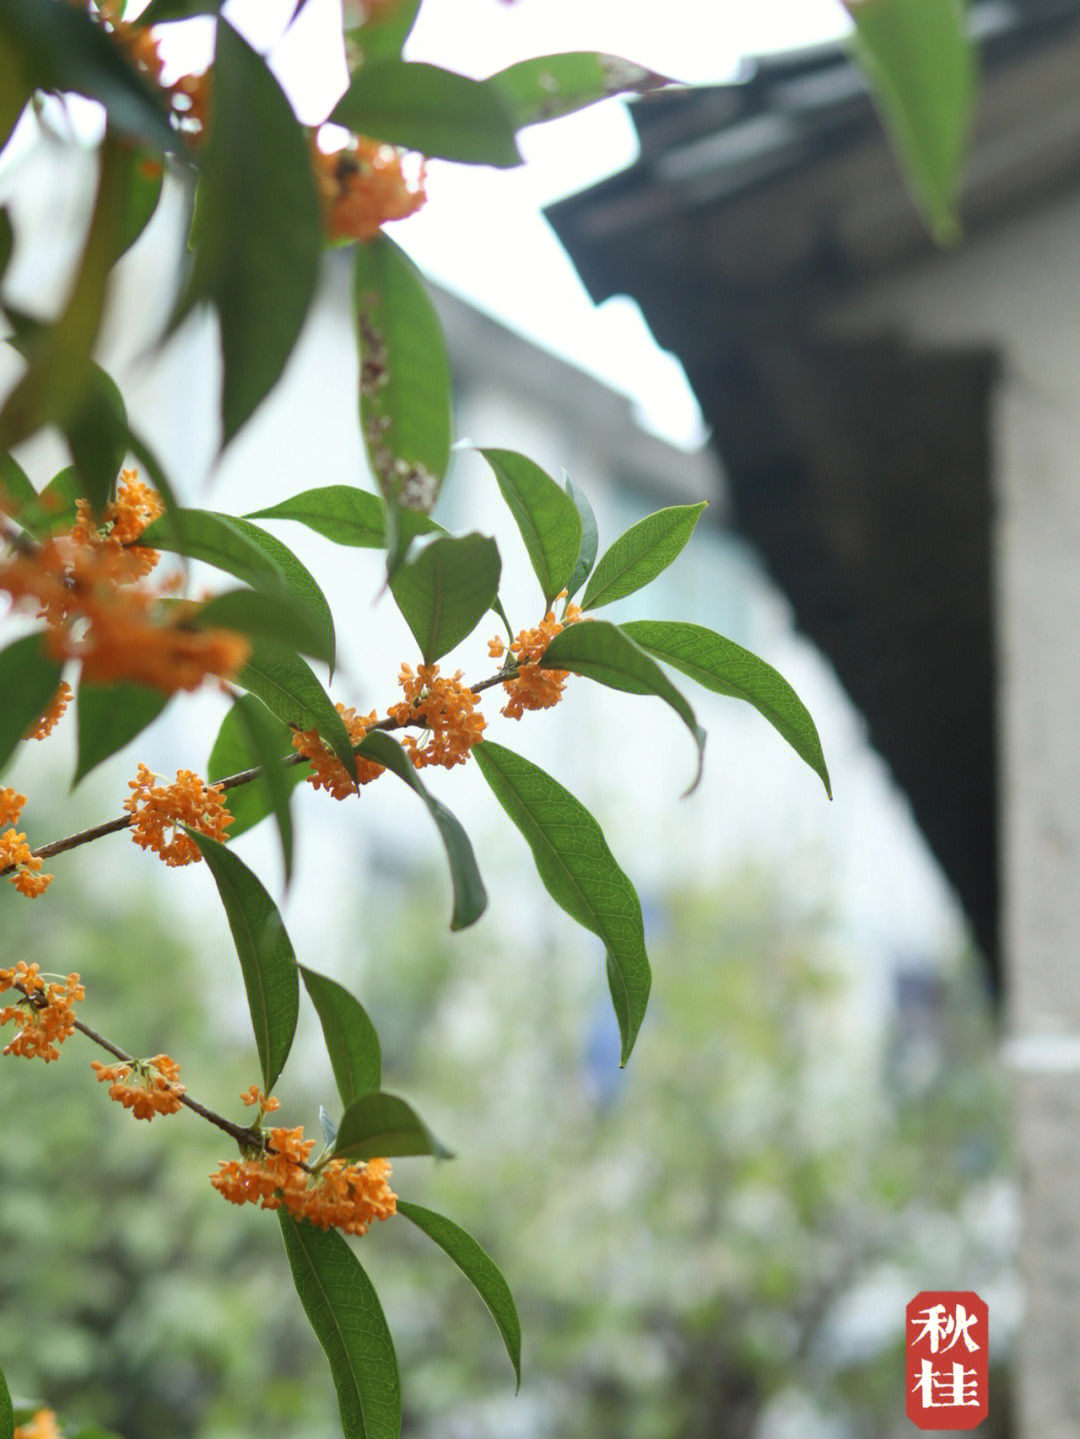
[
  {"x": 383, "y": 33},
  {"x": 234, "y": 751},
  {"x": 641, "y": 553},
  {"x": 377, "y": 1125},
  {"x": 28, "y": 681},
  {"x": 547, "y": 86},
  {"x": 259, "y": 228},
  {"x": 545, "y": 514},
  {"x": 58, "y": 47},
  {"x": 282, "y": 622},
  {"x": 405, "y": 399},
  {"x": 479, "y": 1269},
  {"x": 726, "y": 668},
  {"x": 921, "y": 66},
  {"x": 590, "y": 539},
  {"x": 605, "y": 653},
  {"x": 344, "y": 1311},
  {"x": 470, "y": 897},
  {"x": 109, "y": 717},
  {"x": 445, "y": 591},
  {"x": 578, "y": 871},
  {"x": 351, "y": 1039},
  {"x": 266, "y": 956},
  {"x": 422, "y": 107},
  {"x": 342, "y": 513},
  {"x": 262, "y": 732},
  {"x": 289, "y": 689}
]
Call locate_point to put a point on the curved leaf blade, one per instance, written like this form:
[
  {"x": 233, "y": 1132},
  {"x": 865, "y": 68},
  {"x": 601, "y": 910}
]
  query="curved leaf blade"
[
  {"x": 607, "y": 654},
  {"x": 470, "y": 896},
  {"x": 344, "y": 1312},
  {"x": 479, "y": 1269},
  {"x": 235, "y": 750},
  {"x": 383, "y": 34},
  {"x": 544, "y": 513},
  {"x": 289, "y": 689},
  {"x": 378, "y": 1125},
  {"x": 548, "y": 86},
  {"x": 341, "y": 513},
  {"x": 109, "y": 717},
  {"x": 590, "y": 539},
  {"x": 351, "y": 1039},
  {"x": 641, "y": 553},
  {"x": 266, "y": 956},
  {"x": 579, "y": 872},
  {"x": 423, "y": 107},
  {"x": 28, "y": 681},
  {"x": 445, "y": 591},
  {"x": 263, "y": 735},
  {"x": 727, "y": 669},
  {"x": 282, "y": 623}
]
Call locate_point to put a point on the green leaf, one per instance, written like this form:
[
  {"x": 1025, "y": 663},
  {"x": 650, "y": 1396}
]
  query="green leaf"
[
  {"x": 351, "y": 1039},
  {"x": 289, "y": 689},
  {"x": 641, "y": 553},
  {"x": 590, "y": 539},
  {"x": 234, "y": 751},
  {"x": 470, "y": 897},
  {"x": 28, "y": 681},
  {"x": 58, "y": 47},
  {"x": 141, "y": 201},
  {"x": 478, "y": 1268},
  {"x": 727, "y": 669},
  {"x": 266, "y": 956},
  {"x": 260, "y": 231},
  {"x": 109, "y": 717},
  {"x": 15, "y": 91},
  {"x": 425, "y": 108},
  {"x": 159, "y": 11},
  {"x": 377, "y": 1125},
  {"x": 97, "y": 437},
  {"x": 344, "y": 1311},
  {"x": 578, "y": 871},
  {"x": 383, "y": 34},
  {"x": 445, "y": 591},
  {"x": 7, "y": 1413},
  {"x": 547, "y": 517},
  {"x": 405, "y": 398},
  {"x": 262, "y": 732},
  {"x": 605, "y": 653},
  {"x": 547, "y": 86},
  {"x": 284, "y": 622},
  {"x": 342, "y": 513},
  {"x": 17, "y": 494},
  {"x": 921, "y": 66}
]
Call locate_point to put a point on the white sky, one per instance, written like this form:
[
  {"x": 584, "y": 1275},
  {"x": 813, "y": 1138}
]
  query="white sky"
[{"x": 482, "y": 234}]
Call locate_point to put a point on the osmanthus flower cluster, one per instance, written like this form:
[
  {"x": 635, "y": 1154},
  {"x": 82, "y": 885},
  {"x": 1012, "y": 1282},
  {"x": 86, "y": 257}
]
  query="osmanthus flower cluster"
[
  {"x": 158, "y": 810},
  {"x": 43, "y": 1015},
  {"x": 15, "y": 854},
  {"x": 41, "y": 1426},
  {"x": 145, "y": 1086},
  {"x": 533, "y": 688}
]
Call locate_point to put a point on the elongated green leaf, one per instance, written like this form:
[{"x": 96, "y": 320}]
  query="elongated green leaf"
[
  {"x": 259, "y": 231},
  {"x": 342, "y": 513},
  {"x": 470, "y": 897},
  {"x": 547, "y": 86},
  {"x": 921, "y": 67},
  {"x": 545, "y": 514},
  {"x": 590, "y": 539},
  {"x": 383, "y": 33},
  {"x": 641, "y": 553},
  {"x": 605, "y": 653},
  {"x": 405, "y": 401},
  {"x": 110, "y": 716},
  {"x": 435, "y": 111},
  {"x": 266, "y": 956},
  {"x": 289, "y": 689},
  {"x": 96, "y": 432},
  {"x": 282, "y": 622},
  {"x": 377, "y": 1125},
  {"x": 578, "y": 871},
  {"x": 7, "y": 1413},
  {"x": 351, "y": 1039},
  {"x": 28, "y": 681},
  {"x": 234, "y": 751},
  {"x": 479, "y": 1269},
  {"x": 60, "y": 48},
  {"x": 344, "y": 1311},
  {"x": 727, "y": 669},
  {"x": 216, "y": 540},
  {"x": 263, "y": 734},
  {"x": 445, "y": 591}
]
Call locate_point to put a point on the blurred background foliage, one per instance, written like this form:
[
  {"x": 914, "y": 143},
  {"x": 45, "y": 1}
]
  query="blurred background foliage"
[{"x": 702, "y": 1244}]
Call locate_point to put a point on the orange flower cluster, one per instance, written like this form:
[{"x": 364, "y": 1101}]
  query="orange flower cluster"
[
  {"x": 157, "y": 811},
  {"x": 254, "y": 1095},
  {"x": 188, "y": 98},
  {"x": 145, "y": 1086},
  {"x": 328, "y": 771},
  {"x": 42, "y": 1426},
  {"x": 14, "y": 850},
  {"x": 44, "y": 725},
  {"x": 343, "y": 1196},
  {"x": 123, "y": 521},
  {"x": 43, "y": 1016},
  {"x": 533, "y": 688},
  {"x": 364, "y": 186},
  {"x": 446, "y": 708}
]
